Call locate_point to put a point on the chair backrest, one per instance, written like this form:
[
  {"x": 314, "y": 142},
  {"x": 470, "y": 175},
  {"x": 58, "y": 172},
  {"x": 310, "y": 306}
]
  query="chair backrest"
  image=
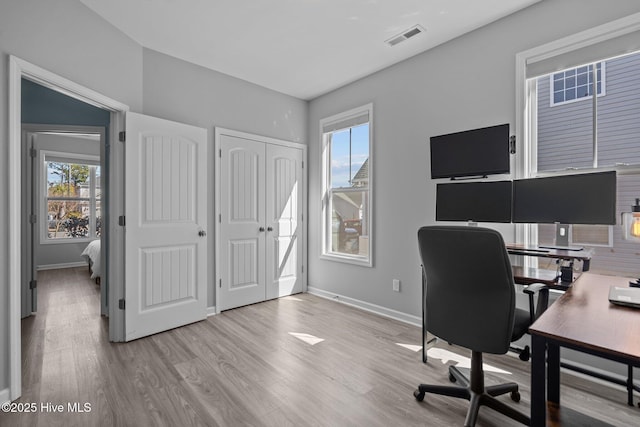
[{"x": 470, "y": 297}]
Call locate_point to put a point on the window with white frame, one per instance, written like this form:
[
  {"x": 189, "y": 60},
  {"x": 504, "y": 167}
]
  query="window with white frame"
[
  {"x": 601, "y": 134},
  {"x": 72, "y": 198},
  {"x": 347, "y": 186}
]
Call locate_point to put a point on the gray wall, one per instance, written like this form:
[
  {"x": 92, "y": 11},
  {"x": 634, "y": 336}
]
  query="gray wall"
[
  {"x": 464, "y": 84},
  {"x": 180, "y": 91}
]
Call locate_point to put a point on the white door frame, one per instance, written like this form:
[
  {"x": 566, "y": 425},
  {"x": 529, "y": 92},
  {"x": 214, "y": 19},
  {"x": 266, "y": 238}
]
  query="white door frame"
[
  {"x": 19, "y": 69},
  {"x": 218, "y": 132}
]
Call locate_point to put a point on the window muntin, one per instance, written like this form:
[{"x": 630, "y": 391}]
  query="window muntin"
[
  {"x": 575, "y": 84},
  {"x": 72, "y": 198},
  {"x": 347, "y": 186}
]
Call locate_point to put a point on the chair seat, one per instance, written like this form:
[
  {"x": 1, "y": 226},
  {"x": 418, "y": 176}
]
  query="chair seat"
[{"x": 521, "y": 323}]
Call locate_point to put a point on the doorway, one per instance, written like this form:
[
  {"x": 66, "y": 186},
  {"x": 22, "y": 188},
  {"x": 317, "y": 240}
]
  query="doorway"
[
  {"x": 20, "y": 70},
  {"x": 63, "y": 195}
]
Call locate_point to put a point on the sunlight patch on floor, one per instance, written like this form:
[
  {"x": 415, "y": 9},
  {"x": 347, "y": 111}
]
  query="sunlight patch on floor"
[
  {"x": 309, "y": 339},
  {"x": 446, "y": 356},
  {"x": 411, "y": 347}
]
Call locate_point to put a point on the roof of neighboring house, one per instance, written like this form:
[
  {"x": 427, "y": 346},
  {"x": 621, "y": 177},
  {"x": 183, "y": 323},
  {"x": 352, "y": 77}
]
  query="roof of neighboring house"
[{"x": 362, "y": 175}]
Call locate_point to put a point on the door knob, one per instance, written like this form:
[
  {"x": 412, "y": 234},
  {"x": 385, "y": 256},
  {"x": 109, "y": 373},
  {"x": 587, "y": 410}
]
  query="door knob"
[
  {"x": 202, "y": 233},
  {"x": 261, "y": 229},
  {"x": 269, "y": 228}
]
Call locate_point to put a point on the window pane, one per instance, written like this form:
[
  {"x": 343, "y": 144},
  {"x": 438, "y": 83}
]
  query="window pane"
[
  {"x": 583, "y": 79},
  {"x": 619, "y": 112},
  {"x": 564, "y": 130},
  {"x": 349, "y": 151},
  {"x": 340, "y": 159},
  {"x": 66, "y": 179},
  {"x": 67, "y": 219},
  {"x": 98, "y": 218},
  {"x": 582, "y": 91},
  {"x": 349, "y": 222},
  {"x": 98, "y": 183}
]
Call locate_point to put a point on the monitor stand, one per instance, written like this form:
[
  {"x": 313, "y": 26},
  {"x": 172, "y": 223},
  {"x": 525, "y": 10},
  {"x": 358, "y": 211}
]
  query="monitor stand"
[{"x": 562, "y": 239}]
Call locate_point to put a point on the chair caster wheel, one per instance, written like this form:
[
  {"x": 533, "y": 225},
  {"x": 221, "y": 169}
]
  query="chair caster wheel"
[
  {"x": 452, "y": 378},
  {"x": 515, "y": 396},
  {"x": 418, "y": 395},
  {"x": 525, "y": 354}
]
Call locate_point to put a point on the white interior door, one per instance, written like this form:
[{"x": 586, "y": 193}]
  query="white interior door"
[
  {"x": 260, "y": 247},
  {"x": 284, "y": 214},
  {"x": 242, "y": 228},
  {"x": 166, "y": 223}
]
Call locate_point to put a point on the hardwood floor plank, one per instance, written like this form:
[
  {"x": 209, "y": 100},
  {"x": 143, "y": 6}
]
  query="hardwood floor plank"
[{"x": 246, "y": 367}]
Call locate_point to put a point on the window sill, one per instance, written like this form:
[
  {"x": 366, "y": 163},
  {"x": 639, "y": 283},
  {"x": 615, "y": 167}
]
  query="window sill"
[
  {"x": 65, "y": 241},
  {"x": 346, "y": 259}
]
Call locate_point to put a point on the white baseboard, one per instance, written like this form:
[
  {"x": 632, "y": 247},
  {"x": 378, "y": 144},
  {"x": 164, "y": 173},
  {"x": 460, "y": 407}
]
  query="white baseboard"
[
  {"x": 65, "y": 265},
  {"x": 211, "y": 311},
  {"x": 363, "y": 305},
  {"x": 4, "y": 396}
]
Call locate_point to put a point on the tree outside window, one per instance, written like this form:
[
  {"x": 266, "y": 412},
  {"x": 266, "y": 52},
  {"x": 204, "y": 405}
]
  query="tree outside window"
[{"x": 72, "y": 200}]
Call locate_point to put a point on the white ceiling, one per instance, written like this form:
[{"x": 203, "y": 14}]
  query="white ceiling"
[{"x": 303, "y": 48}]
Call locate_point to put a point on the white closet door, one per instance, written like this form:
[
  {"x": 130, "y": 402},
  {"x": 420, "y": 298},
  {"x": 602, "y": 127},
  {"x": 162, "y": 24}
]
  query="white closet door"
[
  {"x": 242, "y": 228},
  {"x": 284, "y": 214},
  {"x": 166, "y": 220}
]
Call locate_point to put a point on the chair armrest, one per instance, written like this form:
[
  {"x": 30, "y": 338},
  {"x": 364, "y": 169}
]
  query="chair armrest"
[
  {"x": 534, "y": 288},
  {"x": 542, "y": 291}
]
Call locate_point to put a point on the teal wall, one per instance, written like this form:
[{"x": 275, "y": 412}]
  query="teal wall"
[{"x": 45, "y": 106}]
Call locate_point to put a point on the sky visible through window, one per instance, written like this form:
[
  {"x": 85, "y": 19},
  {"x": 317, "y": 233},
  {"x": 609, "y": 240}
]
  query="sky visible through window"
[{"x": 341, "y": 173}]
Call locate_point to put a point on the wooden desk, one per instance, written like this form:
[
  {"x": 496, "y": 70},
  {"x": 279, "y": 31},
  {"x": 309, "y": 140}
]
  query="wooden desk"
[{"x": 584, "y": 320}]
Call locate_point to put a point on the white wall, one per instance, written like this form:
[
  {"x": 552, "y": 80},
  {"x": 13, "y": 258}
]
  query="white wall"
[
  {"x": 184, "y": 92},
  {"x": 68, "y": 39},
  {"x": 464, "y": 84}
]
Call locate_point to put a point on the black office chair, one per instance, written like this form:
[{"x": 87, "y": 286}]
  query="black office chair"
[{"x": 470, "y": 301}]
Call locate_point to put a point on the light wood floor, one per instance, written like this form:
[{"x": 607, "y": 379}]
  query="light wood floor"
[{"x": 245, "y": 368}]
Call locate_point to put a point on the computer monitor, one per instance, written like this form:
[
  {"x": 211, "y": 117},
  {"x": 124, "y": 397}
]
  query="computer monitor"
[
  {"x": 476, "y": 152},
  {"x": 474, "y": 201},
  {"x": 588, "y": 198}
]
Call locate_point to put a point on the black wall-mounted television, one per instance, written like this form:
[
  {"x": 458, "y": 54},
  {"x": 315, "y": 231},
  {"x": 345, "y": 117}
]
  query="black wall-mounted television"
[
  {"x": 477, "y": 152},
  {"x": 474, "y": 201},
  {"x": 569, "y": 199}
]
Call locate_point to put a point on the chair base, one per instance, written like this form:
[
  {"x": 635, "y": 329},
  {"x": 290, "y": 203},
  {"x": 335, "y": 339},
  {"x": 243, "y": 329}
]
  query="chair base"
[
  {"x": 524, "y": 353},
  {"x": 474, "y": 391}
]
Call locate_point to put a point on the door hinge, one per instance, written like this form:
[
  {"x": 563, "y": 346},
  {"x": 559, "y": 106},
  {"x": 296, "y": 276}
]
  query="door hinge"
[
  {"x": 512, "y": 144},
  {"x": 122, "y": 136},
  {"x": 303, "y": 269},
  {"x": 33, "y": 153},
  {"x": 33, "y": 284},
  {"x": 220, "y": 153},
  {"x": 121, "y": 220},
  {"x": 303, "y": 164},
  {"x": 220, "y": 285},
  {"x": 33, "y": 219},
  {"x": 220, "y": 218},
  {"x": 121, "y": 304}
]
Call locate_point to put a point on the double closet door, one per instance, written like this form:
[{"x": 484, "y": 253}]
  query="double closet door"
[{"x": 260, "y": 208}]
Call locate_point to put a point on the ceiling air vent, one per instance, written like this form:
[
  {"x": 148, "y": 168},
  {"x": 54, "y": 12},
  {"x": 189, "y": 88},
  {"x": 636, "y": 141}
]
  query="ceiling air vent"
[{"x": 406, "y": 34}]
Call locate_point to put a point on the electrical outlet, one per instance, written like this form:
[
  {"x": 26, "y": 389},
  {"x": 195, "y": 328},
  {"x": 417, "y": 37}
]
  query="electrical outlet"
[{"x": 396, "y": 285}]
